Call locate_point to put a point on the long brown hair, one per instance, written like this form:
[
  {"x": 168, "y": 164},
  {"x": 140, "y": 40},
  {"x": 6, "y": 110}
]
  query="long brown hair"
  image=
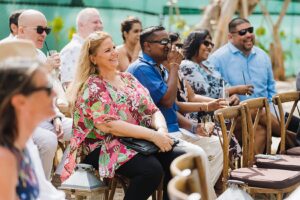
[
  {"x": 85, "y": 67},
  {"x": 15, "y": 78}
]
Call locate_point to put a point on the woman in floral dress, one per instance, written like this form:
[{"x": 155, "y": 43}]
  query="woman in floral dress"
[{"x": 108, "y": 104}]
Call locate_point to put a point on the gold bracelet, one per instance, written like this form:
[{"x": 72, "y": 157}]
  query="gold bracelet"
[{"x": 174, "y": 63}]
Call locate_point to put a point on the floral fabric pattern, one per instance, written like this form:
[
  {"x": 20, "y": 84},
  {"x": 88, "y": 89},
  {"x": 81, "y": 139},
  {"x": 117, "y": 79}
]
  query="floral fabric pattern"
[
  {"x": 100, "y": 102},
  {"x": 202, "y": 82},
  {"x": 28, "y": 186}
]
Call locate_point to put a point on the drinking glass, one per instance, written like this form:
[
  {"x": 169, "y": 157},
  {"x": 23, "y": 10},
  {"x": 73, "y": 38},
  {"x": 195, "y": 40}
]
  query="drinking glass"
[{"x": 54, "y": 72}]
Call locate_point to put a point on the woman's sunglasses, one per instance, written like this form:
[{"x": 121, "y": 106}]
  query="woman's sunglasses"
[
  {"x": 244, "y": 31},
  {"x": 208, "y": 43},
  {"x": 48, "y": 89}
]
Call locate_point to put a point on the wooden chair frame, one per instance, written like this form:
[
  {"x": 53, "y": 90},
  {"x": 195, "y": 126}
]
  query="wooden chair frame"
[
  {"x": 278, "y": 100},
  {"x": 191, "y": 162},
  {"x": 237, "y": 115},
  {"x": 248, "y": 137},
  {"x": 261, "y": 105}
]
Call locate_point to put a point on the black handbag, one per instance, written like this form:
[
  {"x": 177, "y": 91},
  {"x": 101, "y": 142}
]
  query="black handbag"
[{"x": 144, "y": 147}]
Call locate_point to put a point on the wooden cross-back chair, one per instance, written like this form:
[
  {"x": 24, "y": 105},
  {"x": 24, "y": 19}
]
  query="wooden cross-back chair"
[
  {"x": 234, "y": 114},
  {"x": 279, "y": 100},
  {"x": 191, "y": 167},
  {"x": 258, "y": 180},
  {"x": 260, "y": 107},
  {"x": 287, "y": 162},
  {"x": 179, "y": 189}
]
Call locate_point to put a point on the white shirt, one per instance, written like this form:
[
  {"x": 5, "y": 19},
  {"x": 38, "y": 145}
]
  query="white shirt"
[
  {"x": 47, "y": 190},
  {"x": 69, "y": 57},
  {"x": 8, "y": 38}
]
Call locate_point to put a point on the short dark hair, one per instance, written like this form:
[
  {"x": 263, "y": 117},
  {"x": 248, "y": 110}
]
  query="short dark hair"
[
  {"x": 235, "y": 22},
  {"x": 192, "y": 43},
  {"x": 174, "y": 36},
  {"x": 126, "y": 25},
  {"x": 148, "y": 32},
  {"x": 14, "y": 17}
]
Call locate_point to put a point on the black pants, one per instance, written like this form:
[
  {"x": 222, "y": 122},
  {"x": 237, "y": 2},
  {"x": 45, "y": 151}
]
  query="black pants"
[{"x": 144, "y": 172}]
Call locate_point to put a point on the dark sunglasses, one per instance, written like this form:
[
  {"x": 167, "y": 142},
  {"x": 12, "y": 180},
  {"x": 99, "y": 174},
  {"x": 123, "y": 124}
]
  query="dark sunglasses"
[
  {"x": 48, "y": 89},
  {"x": 208, "y": 43},
  {"x": 179, "y": 45},
  {"x": 161, "y": 42},
  {"x": 244, "y": 31},
  {"x": 40, "y": 30}
]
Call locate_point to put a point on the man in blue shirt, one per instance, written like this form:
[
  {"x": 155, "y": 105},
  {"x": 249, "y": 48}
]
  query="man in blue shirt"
[
  {"x": 242, "y": 63},
  {"x": 148, "y": 69}
]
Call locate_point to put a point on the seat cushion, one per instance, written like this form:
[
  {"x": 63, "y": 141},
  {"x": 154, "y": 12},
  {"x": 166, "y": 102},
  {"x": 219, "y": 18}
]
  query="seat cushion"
[
  {"x": 293, "y": 151},
  {"x": 266, "y": 178},
  {"x": 288, "y": 162}
]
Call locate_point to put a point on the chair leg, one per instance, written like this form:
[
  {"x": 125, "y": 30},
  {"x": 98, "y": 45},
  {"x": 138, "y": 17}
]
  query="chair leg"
[
  {"x": 279, "y": 196},
  {"x": 113, "y": 185}
]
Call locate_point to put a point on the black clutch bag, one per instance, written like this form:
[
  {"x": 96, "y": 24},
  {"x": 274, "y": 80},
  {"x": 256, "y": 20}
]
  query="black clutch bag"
[{"x": 144, "y": 147}]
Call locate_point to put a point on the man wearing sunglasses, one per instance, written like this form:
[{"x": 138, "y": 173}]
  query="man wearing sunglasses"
[
  {"x": 33, "y": 27},
  {"x": 242, "y": 63},
  {"x": 162, "y": 85}
]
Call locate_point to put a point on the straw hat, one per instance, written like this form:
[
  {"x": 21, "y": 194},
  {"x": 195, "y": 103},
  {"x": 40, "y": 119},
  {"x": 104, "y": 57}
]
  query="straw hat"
[{"x": 17, "y": 48}]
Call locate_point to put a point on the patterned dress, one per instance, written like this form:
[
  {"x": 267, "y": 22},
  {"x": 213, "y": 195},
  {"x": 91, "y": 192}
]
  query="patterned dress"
[
  {"x": 100, "y": 102},
  {"x": 204, "y": 83},
  {"x": 28, "y": 186}
]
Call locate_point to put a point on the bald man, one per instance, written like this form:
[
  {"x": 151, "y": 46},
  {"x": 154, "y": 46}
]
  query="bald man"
[
  {"x": 87, "y": 21},
  {"x": 33, "y": 27}
]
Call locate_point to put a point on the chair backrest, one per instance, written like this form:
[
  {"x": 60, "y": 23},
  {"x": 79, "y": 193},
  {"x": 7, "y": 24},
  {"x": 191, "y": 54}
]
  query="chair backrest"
[
  {"x": 178, "y": 189},
  {"x": 257, "y": 109},
  {"x": 278, "y": 100},
  {"x": 235, "y": 114},
  {"x": 192, "y": 167}
]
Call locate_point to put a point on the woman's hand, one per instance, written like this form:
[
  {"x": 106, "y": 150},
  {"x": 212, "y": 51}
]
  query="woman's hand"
[
  {"x": 216, "y": 104},
  {"x": 205, "y": 129},
  {"x": 163, "y": 141}
]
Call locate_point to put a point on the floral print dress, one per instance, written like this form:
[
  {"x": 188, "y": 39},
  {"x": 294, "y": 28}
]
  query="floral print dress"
[
  {"x": 28, "y": 186},
  {"x": 204, "y": 83},
  {"x": 100, "y": 102}
]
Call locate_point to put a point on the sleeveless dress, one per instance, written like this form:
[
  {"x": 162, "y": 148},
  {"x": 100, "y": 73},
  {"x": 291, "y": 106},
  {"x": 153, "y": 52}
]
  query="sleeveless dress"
[{"x": 28, "y": 187}]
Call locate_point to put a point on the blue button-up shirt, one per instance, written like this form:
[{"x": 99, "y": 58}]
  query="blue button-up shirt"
[
  {"x": 145, "y": 69},
  {"x": 238, "y": 69}
]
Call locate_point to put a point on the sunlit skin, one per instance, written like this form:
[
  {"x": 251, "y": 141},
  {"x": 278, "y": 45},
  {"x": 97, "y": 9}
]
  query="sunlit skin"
[
  {"x": 203, "y": 52},
  {"x": 34, "y": 108},
  {"x": 28, "y": 21},
  {"x": 106, "y": 58},
  {"x": 243, "y": 43},
  {"x": 128, "y": 52},
  {"x": 91, "y": 24}
]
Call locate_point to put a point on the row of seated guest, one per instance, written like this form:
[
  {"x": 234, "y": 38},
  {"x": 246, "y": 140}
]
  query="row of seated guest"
[
  {"x": 162, "y": 85},
  {"x": 108, "y": 104}
]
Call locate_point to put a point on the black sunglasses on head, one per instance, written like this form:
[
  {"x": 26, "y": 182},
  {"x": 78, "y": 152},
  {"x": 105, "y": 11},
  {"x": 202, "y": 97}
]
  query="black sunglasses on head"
[
  {"x": 208, "y": 43},
  {"x": 161, "y": 42},
  {"x": 40, "y": 30},
  {"x": 244, "y": 31}
]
